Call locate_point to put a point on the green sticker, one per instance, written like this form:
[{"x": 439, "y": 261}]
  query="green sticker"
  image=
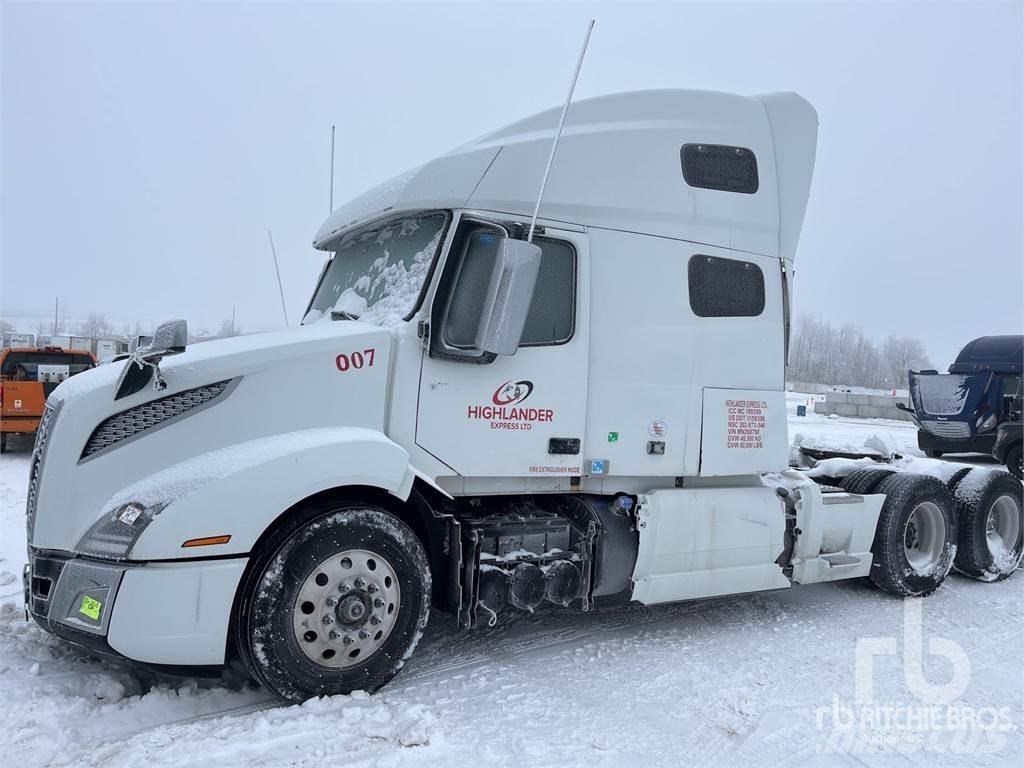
[
  {"x": 613, "y": 437},
  {"x": 90, "y": 607}
]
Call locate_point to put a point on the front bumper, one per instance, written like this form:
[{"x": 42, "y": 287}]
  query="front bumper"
[
  {"x": 164, "y": 614},
  {"x": 983, "y": 443}
]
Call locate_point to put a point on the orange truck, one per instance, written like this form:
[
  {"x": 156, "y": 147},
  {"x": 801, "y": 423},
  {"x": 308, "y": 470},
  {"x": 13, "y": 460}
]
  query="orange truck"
[{"x": 27, "y": 377}]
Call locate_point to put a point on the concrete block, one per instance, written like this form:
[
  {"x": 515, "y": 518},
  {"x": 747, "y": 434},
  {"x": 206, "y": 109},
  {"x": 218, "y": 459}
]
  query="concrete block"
[
  {"x": 860, "y": 399},
  {"x": 820, "y": 406},
  {"x": 837, "y": 397},
  {"x": 846, "y": 409},
  {"x": 870, "y": 411},
  {"x": 881, "y": 401}
]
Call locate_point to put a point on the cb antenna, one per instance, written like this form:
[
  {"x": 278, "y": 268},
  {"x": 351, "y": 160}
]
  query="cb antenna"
[
  {"x": 280, "y": 288},
  {"x": 330, "y": 208},
  {"x": 558, "y": 133}
]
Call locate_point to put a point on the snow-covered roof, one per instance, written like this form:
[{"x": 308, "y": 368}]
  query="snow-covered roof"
[{"x": 619, "y": 167}]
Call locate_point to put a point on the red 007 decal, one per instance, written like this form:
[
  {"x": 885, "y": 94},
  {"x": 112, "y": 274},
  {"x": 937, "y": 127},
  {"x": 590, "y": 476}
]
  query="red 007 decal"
[{"x": 355, "y": 360}]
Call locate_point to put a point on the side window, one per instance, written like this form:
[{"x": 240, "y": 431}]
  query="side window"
[
  {"x": 713, "y": 166},
  {"x": 725, "y": 287},
  {"x": 550, "y": 319},
  {"x": 553, "y": 309}
]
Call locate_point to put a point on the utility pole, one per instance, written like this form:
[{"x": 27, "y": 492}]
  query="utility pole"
[
  {"x": 232, "y": 320},
  {"x": 56, "y": 308}
]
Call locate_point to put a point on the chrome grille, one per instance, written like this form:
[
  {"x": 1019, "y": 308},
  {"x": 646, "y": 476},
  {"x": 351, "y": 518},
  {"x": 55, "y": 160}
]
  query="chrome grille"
[
  {"x": 135, "y": 421},
  {"x": 36, "y": 466},
  {"x": 951, "y": 429}
]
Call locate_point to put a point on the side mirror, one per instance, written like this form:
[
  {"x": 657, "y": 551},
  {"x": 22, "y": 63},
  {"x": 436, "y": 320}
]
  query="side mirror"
[
  {"x": 508, "y": 297},
  {"x": 143, "y": 365},
  {"x": 169, "y": 338}
]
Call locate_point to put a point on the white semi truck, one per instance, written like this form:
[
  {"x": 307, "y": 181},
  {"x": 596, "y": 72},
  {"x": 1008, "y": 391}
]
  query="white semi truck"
[{"x": 478, "y": 424}]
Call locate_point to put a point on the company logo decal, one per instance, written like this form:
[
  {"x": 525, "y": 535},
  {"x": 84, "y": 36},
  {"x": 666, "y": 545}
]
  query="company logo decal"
[
  {"x": 510, "y": 393},
  {"x": 505, "y": 411}
]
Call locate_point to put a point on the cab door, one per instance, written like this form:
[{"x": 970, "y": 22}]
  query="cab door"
[{"x": 521, "y": 415}]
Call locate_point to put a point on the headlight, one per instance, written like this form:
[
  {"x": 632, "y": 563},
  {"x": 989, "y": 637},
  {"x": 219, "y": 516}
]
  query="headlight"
[
  {"x": 985, "y": 423},
  {"x": 113, "y": 535}
]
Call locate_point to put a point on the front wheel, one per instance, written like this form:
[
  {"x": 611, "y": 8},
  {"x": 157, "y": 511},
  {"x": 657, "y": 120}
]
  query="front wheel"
[
  {"x": 1015, "y": 461},
  {"x": 338, "y": 606}
]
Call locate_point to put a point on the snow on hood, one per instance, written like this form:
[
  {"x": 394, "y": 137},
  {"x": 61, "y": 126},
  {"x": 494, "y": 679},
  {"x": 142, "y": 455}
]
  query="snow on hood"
[{"x": 256, "y": 348}]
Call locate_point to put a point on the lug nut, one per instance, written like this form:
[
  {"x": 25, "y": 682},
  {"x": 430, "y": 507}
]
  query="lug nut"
[
  {"x": 360, "y": 582},
  {"x": 375, "y": 620},
  {"x": 372, "y": 588},
  {"x": 378, "y": 603},
  {"x": 344, "y": 587},
  {"x": 331, "y": 602},
  {"x": 364, "y": 635},
  {"x": 347, "y": 640},
  {"x": 327, "y": 619},
  {"x": 334, "y": 634}
]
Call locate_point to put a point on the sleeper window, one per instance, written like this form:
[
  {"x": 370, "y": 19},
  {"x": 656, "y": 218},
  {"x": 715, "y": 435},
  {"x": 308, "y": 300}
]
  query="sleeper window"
[{"x": 725, "y": 287}]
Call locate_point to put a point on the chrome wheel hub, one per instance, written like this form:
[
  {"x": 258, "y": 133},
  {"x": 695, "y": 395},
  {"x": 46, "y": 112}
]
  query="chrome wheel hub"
[
  {"x": 346, "y": 608},
  {"x": 924, "y": 538},
  {"x": 1002, "y": 526}
]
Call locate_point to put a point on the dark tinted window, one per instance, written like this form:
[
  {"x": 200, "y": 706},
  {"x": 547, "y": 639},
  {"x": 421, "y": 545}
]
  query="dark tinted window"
[
  {"x": 713, "y": 166},
  {"x": 550, "y": 318},
  {"x": 725, "y": 287}
]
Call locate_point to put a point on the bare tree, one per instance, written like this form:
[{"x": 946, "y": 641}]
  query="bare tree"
[
  {"x": 823, "y": 354},
  {"x": 95, "y": 326}
]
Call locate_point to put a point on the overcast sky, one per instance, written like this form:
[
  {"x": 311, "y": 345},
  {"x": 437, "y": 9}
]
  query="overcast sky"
[{"x": 147, "y": 149}]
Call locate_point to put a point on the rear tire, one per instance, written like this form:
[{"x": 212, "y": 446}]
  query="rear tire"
[
  {"x": 337, "y": 607},
  {"x": 915, "y": 538},
  {"x": 990, "y": 508},
  {"x": 865, "y": 480},
  {"x": 933, "y": 454}
]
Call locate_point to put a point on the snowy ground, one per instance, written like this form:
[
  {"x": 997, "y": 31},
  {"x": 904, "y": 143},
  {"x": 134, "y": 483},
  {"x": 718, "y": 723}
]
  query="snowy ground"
[{"x": 760, "y": 679}]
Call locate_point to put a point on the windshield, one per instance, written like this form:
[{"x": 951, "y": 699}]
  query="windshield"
[
  {"x": 377, "y": 272},
  {"x": 942, "y": 394}
]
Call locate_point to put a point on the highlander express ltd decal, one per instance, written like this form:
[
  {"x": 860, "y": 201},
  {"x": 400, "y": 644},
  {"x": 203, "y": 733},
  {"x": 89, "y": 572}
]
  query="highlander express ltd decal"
[{"x": 506, "y": 409}]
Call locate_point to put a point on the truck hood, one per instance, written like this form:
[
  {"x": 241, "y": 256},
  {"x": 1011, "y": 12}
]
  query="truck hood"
[
  {"x": 219, "y": 394},
  {"x": 966, "y": 398}
]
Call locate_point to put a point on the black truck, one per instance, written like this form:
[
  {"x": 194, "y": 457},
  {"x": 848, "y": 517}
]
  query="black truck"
[{"x": 961, "y": 411}]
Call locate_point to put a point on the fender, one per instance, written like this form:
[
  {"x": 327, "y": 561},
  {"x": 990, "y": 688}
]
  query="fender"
[{"x": 240, "y": 490}]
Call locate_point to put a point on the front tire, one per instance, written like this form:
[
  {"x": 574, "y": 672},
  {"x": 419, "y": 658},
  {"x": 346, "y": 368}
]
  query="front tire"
[
  {"x": 991, "y": 514},
  {"x": 1015, "y": 461},
  {"x": 337, "y": 607},
  {"x": 915, "y": 538}
]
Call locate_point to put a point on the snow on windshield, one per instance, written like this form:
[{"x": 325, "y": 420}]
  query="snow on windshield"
[
  {"x": 942, "y": 394},
  {"x": 377, "y": 273}
]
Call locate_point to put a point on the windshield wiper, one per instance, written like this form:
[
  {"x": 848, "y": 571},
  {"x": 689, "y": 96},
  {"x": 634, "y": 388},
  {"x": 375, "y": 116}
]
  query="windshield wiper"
[{"x": 340, "y": 314}]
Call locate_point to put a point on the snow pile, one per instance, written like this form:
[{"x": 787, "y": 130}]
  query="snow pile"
[
  {"x": 340, "y": 730},
  {"x": 874, "y": 442},
  {"x": 839, "y": 467}
]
